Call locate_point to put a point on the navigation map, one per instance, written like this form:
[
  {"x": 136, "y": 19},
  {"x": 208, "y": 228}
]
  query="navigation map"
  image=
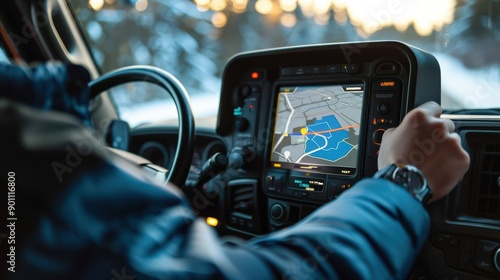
[{"x": 318, "y": 125}]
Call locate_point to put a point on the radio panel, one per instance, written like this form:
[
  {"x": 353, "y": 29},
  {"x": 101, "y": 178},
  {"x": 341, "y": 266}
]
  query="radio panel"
[{"x": 306, "y": 122}]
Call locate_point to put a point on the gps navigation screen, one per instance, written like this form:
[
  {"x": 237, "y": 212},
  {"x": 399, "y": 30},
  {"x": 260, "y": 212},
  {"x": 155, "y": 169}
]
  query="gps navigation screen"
[{"x": 317, "y": 128}]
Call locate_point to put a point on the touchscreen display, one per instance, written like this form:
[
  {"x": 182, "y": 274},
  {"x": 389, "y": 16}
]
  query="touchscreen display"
[{"x": 318, "y": 127}]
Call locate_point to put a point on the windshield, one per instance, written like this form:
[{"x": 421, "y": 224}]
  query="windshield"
[{"x": 193, "y": 39}]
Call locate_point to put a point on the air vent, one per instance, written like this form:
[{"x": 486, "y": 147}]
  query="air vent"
[
  {"x": 483, "y": 195},
  {"x": 242, "y": 214},
  {"x": 242, "y": 199},
  {"x": 487, "y": 187}
]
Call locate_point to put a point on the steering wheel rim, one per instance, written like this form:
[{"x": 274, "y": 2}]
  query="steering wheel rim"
[{"x": 185, "y": 142}]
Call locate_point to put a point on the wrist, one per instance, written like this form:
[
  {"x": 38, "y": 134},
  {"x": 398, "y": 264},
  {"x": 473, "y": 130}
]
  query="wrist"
[{"x": 408, "y": 177}]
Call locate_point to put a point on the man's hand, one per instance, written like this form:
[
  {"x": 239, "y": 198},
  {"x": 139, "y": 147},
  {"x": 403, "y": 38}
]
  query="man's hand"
[{"x": 429, "y": 143}]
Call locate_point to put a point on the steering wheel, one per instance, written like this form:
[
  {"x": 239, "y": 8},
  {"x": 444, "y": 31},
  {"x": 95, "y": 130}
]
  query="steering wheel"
[{"x": 185, "y": 142}]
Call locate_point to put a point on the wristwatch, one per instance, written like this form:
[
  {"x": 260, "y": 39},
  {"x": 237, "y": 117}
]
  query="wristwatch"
[{"x": 408, "y": 177}]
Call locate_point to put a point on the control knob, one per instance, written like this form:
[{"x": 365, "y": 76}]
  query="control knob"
[
  {"x": 278, "y": 212},
  {"x": 496, "y": 259},
  {"x": 241, "y": 124}
]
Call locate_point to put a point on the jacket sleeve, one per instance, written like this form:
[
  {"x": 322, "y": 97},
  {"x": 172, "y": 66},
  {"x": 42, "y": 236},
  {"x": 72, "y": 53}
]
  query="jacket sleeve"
[{"x": 373, "y": 231}]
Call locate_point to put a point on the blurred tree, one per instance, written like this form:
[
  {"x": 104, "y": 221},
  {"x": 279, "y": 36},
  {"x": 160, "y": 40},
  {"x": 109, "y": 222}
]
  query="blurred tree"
[
  {"x": 172, "y": 35},
  {"x": 475, "y": 33},
  {"x": 179, "y": 37},
  {"x": 176, "y": 36}
]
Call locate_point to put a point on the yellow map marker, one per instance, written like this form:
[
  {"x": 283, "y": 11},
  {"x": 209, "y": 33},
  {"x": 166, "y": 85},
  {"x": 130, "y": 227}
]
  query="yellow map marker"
[{"x": 303, "y": 130}]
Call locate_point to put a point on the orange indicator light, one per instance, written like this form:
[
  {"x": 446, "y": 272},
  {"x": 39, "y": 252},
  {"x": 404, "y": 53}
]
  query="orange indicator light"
[
  {"x": 255, "y": 75},
  {"x": 211, "y": 221}
]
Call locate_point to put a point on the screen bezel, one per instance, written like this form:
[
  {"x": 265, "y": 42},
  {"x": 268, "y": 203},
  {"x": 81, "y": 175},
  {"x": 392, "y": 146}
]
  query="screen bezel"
[{"x": 344, "y": 172}]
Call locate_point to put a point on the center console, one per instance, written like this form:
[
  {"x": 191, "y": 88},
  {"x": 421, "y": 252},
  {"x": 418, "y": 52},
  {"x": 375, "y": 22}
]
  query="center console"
[{"x": 305, "y": 123}]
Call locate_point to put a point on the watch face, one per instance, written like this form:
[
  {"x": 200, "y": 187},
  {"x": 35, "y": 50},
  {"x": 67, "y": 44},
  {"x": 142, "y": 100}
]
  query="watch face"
[
  {"x": 409, "y": 179},
  {"x": 415, "y": 182}
]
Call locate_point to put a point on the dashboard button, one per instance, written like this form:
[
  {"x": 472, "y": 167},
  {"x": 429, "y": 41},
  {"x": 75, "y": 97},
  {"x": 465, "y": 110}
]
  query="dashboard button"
[
  {"x": 287, "y": 71},
  {"x": 241, "y": 124},
  {"x": 293, "y": 71},
  {"x": 269, "y": 183},
  {"x": 465, "y": 260},
  {"x": 332, "y": 68},
  {"x": 315, "y": 70},
  {"x": 245, "y": 90},
  {"x": 234, "y": 220},
  {"x": 387, "y": 68},
  {"x": 483, "y": 255},
  {"x": 453, "y": 241},
  {"x": 255, "y": 89},
  {"x": 384, "y": 95},
  {"x": 383, "y": 108},
  {"x": 438, "y": 239},
  {"x": 352, "y": 68}
]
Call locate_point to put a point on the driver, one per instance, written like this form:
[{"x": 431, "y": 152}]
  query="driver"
[{"x": 103, "y": 218}]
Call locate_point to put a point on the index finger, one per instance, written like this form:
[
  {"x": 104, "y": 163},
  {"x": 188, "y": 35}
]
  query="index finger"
[{"x": 432, "y": 108}]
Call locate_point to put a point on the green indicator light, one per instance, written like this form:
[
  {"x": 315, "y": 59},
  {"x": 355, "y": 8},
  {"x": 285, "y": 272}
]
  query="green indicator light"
[{"x": 237, "y": 111}]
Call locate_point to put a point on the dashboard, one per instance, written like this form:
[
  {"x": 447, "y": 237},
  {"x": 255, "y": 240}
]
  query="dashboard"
[
  {"x": 157, "y": 143},
  {"x": 304, "y": 124},
  {"x": 301, "y": 125}
]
